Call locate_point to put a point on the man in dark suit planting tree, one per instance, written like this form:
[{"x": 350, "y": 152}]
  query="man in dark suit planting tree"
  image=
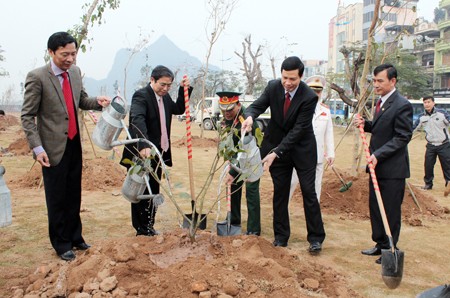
[
  {"x": 289, "y": 143},
  {"x": 391, "y": 129}
]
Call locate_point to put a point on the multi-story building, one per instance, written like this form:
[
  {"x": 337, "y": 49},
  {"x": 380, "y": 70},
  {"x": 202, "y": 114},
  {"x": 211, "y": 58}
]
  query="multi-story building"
[
  {"x": 426, "y": 34},
  {"x": 442, "y": 53},
  {"x": 401, "y": 13},
  {"x": 345, "y": 29},
  {"x": 315, "y": 67}
]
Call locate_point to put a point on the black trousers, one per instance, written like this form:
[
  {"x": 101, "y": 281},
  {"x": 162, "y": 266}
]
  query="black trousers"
[
  {"x": 392, "y": 192},
  {"x": 443, "y": 151},
  {"x": 62, "y": 185},
  {"x": 143, "y": 213},
  {"x": 281, "y": 172}
]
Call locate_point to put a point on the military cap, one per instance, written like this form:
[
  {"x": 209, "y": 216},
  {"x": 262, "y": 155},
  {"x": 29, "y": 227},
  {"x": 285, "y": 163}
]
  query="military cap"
[{"x": 228, "y": 100}]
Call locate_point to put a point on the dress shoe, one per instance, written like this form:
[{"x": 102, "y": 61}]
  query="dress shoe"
[
  {"x": 147, "y": 232},
  {"x": 315, "y": 247},
  {"x": 378, "y": 261},
  {"x": 82, "y": 246},
  {"x": 279, "y": 243},
  {"x": 253, "y": 233},
  {"x": 427, "y": 187},
  {"x": 68, "y": 255},
  {"x": 374, "y": 251}
]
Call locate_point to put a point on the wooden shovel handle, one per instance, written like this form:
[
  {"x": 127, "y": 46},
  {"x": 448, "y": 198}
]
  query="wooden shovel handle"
[
  {"x": 375, "y": 184},
  {"x": 189, "y": 140},
  {"x": 229, "y": 197}
]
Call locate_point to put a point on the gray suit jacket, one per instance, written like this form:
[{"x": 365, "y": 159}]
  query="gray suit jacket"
[{"x": 44, "y": 113}]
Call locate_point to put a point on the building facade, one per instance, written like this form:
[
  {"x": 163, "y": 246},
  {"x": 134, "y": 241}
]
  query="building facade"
[
  {"x": 345, "y": 29},
  {"x": 442, "y": 54}
]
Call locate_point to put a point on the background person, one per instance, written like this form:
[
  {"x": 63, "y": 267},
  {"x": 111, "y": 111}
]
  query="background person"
[
  {"x": 151, "y": 113},
  {"x": 53, "y": 95},
  {"x": 391, "y": 130},
  {"x": 289, "y": 143},
  {"x": 435, "y": 123},
  {"x": 323, "y": 131},
  {"x": 231, "y": 109}
]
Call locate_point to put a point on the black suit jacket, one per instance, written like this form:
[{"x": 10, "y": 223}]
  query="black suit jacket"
[
  {"x": 145, "y": 123},
  {"x": 291, "y": 135},
  {"x": 391, "y": 131}
]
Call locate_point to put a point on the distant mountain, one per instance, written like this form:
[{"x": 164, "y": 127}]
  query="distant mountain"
[{"x": 162, "y": 52}]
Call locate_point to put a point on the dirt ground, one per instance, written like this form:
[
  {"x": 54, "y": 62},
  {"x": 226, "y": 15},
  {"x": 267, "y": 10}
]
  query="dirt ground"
[{"x": 169, "y": 265}]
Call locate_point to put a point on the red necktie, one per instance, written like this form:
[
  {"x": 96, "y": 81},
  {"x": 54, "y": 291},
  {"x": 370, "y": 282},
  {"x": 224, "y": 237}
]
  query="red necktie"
[
  {"x": 377, "y": 110},
  {"x": 287, "y": 103},
  {"x": 67, "y": 90}
]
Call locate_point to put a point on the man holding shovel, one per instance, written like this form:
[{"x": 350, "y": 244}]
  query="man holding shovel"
[
  {"x": 391, "y": 129},
  {"x": 232, "y": 110}
]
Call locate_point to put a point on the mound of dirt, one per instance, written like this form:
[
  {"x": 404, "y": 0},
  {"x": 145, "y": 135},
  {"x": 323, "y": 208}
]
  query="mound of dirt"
[
  {"x": 19, "y": 147},
  {"x": 353, "y": 203},
  {"x": 98, "y": 174},
  {"x": 7, "y": 121},
  {"x": 102, "y": 174},
  {"x": 169, "y": 265},
  {"x": 197, "y": 142}
]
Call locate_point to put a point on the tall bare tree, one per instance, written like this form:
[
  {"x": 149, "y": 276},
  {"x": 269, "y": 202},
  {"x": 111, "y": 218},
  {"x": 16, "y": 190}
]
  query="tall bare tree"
[
  {"x": 252, "y": 69},
  {"x": 3, "y": 72},
  {"x": 141, "y": 43},
  {"x": 93, "y": 15},
  {"x": 219, "y": 14}
]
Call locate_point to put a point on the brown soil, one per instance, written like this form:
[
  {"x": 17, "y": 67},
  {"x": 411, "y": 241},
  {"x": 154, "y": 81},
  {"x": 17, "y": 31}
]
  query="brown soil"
[
  {"x": 8, "y": 121},
  {"x": 98, "y": 174},
  {"x": 19, "y": 147},
  {"x": 197, "y": 142},
  {"x": 170, "y": 265}
]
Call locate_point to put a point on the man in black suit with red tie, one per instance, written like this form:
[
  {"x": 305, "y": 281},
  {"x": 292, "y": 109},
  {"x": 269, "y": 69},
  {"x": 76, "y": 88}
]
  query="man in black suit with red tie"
[
  {"x": 289, "y": 143},
  {"x": 391, "y": 129}
]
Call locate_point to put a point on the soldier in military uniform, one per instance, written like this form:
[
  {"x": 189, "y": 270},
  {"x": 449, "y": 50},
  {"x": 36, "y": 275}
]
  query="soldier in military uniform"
[
  {"x": 323, "y": 131},
  {"x": 231, "y": 109}
]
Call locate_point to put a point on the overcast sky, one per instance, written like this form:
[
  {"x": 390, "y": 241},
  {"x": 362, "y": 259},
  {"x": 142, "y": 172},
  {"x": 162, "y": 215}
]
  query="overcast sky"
[{"x": 292, "y": 27}]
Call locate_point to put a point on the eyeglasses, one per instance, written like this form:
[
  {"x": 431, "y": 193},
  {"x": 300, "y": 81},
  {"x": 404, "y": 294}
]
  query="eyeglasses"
[{"x": 168, "y": 85}]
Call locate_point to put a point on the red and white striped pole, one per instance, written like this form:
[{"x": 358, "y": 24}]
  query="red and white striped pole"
[
  {"x": 189, "y": 139},
  {"x": 375, "y": 184}
]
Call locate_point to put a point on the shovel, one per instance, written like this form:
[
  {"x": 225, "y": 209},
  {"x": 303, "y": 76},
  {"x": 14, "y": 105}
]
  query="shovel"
[
  {"x": 194, "y": 216},
  {"x": 392, "y": 259},
  {"x": 345, "y": 186},
  {"x": 225, "y": 228}
]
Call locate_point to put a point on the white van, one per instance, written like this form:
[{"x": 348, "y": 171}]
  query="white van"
[{"x": 211, "y": 112}]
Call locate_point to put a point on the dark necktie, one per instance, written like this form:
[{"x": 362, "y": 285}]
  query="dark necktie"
[
  {"x": 67, "y": 91},
  {"x": 287, "y": 103},
  {"x": 377, "y": 110}
]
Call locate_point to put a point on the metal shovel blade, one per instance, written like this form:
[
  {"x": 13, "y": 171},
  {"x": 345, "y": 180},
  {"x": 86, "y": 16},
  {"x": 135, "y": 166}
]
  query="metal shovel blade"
[
  {"x": 224, "y": 228},
  {"x": 437, "y": 292},
  {"x": 202, "y": 225},
  {"x": 392, "y": 267}
]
